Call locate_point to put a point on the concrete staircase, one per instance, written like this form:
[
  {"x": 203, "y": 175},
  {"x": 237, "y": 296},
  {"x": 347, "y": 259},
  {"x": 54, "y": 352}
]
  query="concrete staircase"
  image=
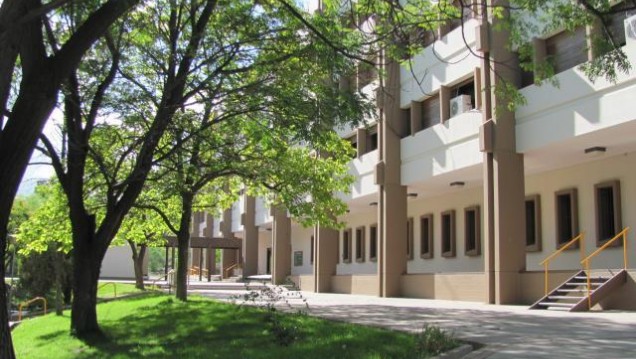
[{"x": 572, "y": 295}]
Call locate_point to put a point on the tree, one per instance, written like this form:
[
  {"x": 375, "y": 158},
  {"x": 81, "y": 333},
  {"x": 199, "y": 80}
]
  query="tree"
[
  {"x": 40, "y": 75},
  {"x": 140, "y": 230},
  {"x": 174, "y": 52}
]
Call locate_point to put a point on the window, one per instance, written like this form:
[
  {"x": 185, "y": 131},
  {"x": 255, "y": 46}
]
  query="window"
[
  {"x": 566, "y": 49},
  {"x": 567, "y": 217},
  {"x": 354, "y": 143},
  {"x": 346, "y": 246},
  {"x": 372, "y": 139},
  {"x": 448, "y": 234},
  {"x": 298, "y": 258},
  {"x": 615, "y": 22},
  {"x": 311, "y": 250},
  {"x": 373, "y": 242},
  {"x": 409, "y": 239},
  {"x": 533, "y": 223},
  {"x": 608, "y": 211},
  {"x": 360, "y": 244},
  {"x": 405, "y": 127},
  {"x": 430, "y": 112},
  {"x": 472, "y": 231},
  {"x": 426, "y": 236},
  {"x": 462, "y": 97}
]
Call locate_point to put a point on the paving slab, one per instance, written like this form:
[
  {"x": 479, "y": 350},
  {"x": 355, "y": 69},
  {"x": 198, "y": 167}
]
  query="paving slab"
[{"x": 506, "y": 331}]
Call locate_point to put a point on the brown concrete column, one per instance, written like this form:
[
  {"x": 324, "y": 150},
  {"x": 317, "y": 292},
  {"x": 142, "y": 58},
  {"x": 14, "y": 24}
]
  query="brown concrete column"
[
  {"x": 281, "y": 245},
  {"x": 228, "y": 256},
  {"x": 392, "y": 195},
  {"x": 361, "y": 138},
  {"x": 208, "y": 232},
  {"x": 444, "y": 103},
  {"x": 416, "y": 117},
  {"x": 504, "y": 188},
  {"x": 326, "y": 257},
  {"x": 250, "y": 237}
]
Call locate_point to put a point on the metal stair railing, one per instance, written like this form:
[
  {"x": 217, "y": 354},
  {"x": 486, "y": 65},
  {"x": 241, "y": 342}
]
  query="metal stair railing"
[
  {"x": 585, "y": 262},
  {"x": 546, "y": 262}
]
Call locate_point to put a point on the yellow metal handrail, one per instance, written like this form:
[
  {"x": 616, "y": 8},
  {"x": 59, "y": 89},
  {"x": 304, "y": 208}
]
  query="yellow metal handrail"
[
  {"x": 154, "y": 282},
  {"x": 26, "y": 304},
  {"x": 107, "y": 283},
  {"x": 228, "y": 269},
  {"x": 546, "y": 262},
  {"x": 586, "y": 261}
]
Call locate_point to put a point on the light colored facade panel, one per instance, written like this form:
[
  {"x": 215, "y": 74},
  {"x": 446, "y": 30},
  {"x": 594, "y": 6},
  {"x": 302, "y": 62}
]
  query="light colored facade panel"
[
  {"x": 118, "y": 263},
  {"x": 355, "y": 284},
  {"x": 458, "y": 286},
  {"x": 583, "y": 178},
  {"x": 354, "y": 221},
  {"x": 262, "y": 213},
  {"x": 428, "y": 73},
  {"x": 457, "y": 201},
  {"x": 301, "y": 242},
  {"x": 304, "y": 282}
]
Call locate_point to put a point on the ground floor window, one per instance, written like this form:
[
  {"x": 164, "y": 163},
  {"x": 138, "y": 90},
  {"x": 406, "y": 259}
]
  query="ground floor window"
[
  {"x": 567, "y": 224},
  {"x": 533, "y": 223},
  {"x": 373, "y": 242},
  {"x": 346, "y": 245},
  {"x": 426, "y": 236},
  {"x": 409, "y": 239},
  {"x": 448, "y": 234},
  {"x": 360, "y": 244},
  {"x": 608, "y": 211},
  {"x": 472, "y": 231}
]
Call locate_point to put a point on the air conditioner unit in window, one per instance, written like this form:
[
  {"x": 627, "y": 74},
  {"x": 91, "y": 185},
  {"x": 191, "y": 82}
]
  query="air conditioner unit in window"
[
  {"x": 630, "y": 28},
  {"x": 460, "y": 104}
]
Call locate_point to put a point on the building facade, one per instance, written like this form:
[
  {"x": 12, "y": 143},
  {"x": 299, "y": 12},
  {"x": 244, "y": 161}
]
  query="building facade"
[{"x": 458, "y": 198}]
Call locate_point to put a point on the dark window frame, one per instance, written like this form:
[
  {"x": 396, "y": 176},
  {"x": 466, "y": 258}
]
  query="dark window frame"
[
  {"x": 427, "y": 236},
  {"x": 346, "y": 245},
  {"x": 410, "y": 252},
  {"x": 448, "y": 251},
  {"x": 616, "y": 212},
  {"x": 312, "y": 252},
  {"x": 574, "y": 218},
  {"x": 373, "y": 242},
  {"x": 472, "y": 233},
  {"x": 536, "y": 246},
  {"x": 360, "y": 241}
]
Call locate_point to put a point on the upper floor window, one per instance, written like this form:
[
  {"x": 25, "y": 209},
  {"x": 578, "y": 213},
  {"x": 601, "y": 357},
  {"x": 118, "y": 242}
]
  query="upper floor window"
[
  {"x": 462, "y": 97},
  {"x": 566, "y": 49}
]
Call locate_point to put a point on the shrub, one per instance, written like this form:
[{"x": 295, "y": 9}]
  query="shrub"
[{"x": 433, "y": 340}]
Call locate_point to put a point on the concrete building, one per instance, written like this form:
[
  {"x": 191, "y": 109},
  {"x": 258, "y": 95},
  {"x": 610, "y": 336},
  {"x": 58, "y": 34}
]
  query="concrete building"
[{"x": 457, "y": 197}]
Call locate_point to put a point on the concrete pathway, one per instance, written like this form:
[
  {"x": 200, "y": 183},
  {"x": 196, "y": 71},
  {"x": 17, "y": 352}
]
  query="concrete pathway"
[{"x": 506, "y": 331}]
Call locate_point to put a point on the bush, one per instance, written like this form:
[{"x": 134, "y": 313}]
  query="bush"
[{"x": 433, "y": 340}]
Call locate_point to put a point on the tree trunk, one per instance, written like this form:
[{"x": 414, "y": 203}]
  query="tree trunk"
[
  {"x": 6, "y": 345},
  {"x": 87, "y": 260},
  {"x": 59, "y": 280},
  {"x": 183, "y": 246},
  {"x": 138, "y": 263}
]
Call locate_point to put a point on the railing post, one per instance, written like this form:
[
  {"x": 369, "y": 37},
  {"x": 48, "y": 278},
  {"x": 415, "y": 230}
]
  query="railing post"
[
  {"x": 589, "y": 284},
  {"x": 625, "y": 249}
]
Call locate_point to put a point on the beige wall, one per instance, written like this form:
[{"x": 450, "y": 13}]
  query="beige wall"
[
  {"x": 533, "y": 287},
  {"x": 584, "y": 177},
  {"x": 118, "y": 263},
  {"x": 301, "y": 241},
  {"x": 355, "y": 284},
  {"x": 455, "y": 286},
  {"x": 457, "y": 201},
  {"x": 264, "y": 242},
  {"x": 354, "y": 221},
  {"x": 304, "y": 282}
]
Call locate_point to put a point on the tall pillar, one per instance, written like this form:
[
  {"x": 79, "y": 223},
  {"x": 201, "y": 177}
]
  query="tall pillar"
[
  {"x": 228, "y": 256},
  {"x": 392, "y": 195},
  {"x": 281, "y": 245},
  {"x": 326, "y": 257},
  {"x": 250, "y": 237},
  {"x": 504, "y": 188},
  {"x": 208, "y": 232}
]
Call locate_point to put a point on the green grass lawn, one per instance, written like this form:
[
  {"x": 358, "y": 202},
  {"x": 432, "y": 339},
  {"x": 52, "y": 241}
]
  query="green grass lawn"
[
  {"x": 107, "y": 289},
  {"x": 156, "y": 326}
]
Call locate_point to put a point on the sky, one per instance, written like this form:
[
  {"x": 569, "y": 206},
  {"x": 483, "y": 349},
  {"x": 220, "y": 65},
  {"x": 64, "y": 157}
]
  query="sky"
[{"x": 37, "y": 172}]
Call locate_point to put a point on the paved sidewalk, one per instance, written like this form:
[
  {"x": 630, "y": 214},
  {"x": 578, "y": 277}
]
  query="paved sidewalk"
[{"x": 507, "y": 331}]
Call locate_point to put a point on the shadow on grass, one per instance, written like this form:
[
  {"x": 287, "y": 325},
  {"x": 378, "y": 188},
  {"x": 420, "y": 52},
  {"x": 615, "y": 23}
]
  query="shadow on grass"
[{"x": 166, "y": 328}]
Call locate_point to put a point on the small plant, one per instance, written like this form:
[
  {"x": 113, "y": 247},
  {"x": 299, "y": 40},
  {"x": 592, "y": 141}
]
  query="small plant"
[
  {"x": 285, "y": 332},
  {"x": 433, "y": 340}
]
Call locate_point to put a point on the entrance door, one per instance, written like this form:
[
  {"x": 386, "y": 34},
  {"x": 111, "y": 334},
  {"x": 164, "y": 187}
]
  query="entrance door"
[{"x": 269, "y": 261}]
